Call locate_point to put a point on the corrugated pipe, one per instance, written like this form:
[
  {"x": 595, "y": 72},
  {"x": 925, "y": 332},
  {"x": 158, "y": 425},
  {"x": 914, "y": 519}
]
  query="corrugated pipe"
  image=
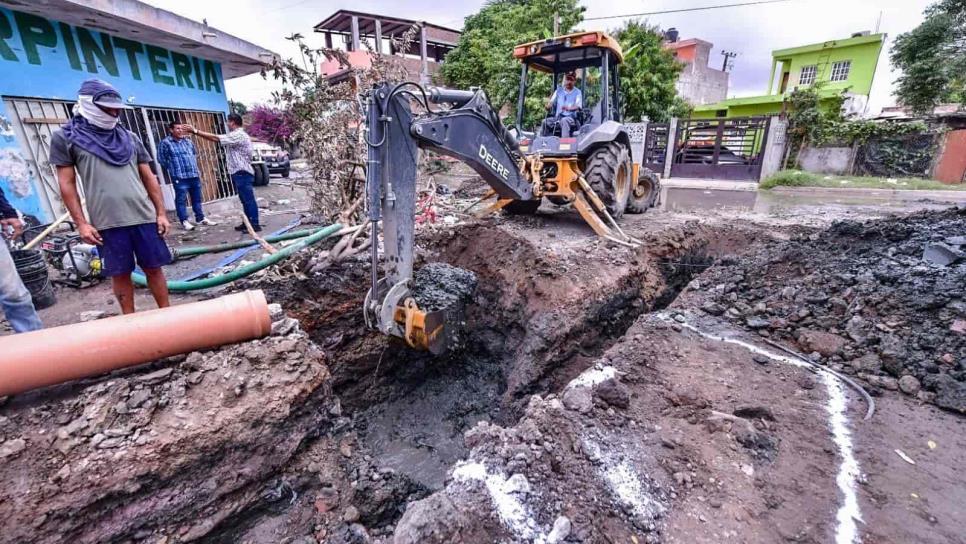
[
  {"x": 59, "y": 354},
  {"x": 248, "y": 269}
]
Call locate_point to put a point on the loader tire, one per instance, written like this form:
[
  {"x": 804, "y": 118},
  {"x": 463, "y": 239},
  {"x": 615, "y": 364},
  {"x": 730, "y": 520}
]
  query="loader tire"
[
  {"x": 608, "y": 171},
  {"x": 646, "y": 193},
  {"x": 522, "y": 207}
]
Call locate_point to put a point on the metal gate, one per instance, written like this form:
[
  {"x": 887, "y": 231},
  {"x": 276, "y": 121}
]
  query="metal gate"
[
  {"x": 730, "y": 149},
  {"x": 212, "y": 165},
  {"x": 655, "y": 147},
  {"x": 34, "y": 121}
]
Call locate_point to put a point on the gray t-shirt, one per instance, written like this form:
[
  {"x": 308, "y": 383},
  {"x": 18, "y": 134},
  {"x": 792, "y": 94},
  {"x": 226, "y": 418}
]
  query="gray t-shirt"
[{"x": 115, "y": 195}]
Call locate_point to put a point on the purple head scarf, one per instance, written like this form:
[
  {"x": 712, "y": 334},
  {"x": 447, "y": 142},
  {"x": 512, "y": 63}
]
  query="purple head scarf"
[{"x": 113, "y": 145}]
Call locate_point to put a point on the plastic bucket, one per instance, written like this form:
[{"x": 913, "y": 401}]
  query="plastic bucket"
[{"x": 32, "y": 269}]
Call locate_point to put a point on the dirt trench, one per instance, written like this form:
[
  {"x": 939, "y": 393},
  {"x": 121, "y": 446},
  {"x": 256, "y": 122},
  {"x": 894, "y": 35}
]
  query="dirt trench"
[
  {"x": 538, "y": 318},
  {"x": 326, "y": 432}
]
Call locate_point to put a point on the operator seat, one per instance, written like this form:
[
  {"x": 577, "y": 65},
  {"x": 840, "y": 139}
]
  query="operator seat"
[{"x": 551, "y": 125}]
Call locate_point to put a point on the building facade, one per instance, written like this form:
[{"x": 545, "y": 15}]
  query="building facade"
[
  {"x": 362, "y": 35},
  {"x": 165, "y": 66},
  {"x": 698, "y": 83},
  {"x": 845, "y": 66}
]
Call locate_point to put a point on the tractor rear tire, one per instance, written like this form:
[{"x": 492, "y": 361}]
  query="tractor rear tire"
[
  {"x": 522, "y": 207},
  {"x": 608, "y": 171},
  {"x": 646, "y": 193}
]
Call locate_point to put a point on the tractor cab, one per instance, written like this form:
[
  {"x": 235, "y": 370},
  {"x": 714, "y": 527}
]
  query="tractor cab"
[{"x": 592, "y": 57}]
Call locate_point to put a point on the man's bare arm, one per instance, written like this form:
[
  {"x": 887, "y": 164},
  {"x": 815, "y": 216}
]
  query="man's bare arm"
[
  {"x": 204, "y": 135},
  {"x": 151, "y": 184},
  {"x": 67, "y": 179}
]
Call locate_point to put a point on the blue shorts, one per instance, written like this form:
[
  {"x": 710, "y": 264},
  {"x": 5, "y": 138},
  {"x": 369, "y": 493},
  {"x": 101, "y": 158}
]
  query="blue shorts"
[{"x": 123, "y": 244}]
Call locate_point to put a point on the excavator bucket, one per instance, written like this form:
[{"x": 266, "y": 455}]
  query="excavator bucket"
[{"x": 425, "y": 331}]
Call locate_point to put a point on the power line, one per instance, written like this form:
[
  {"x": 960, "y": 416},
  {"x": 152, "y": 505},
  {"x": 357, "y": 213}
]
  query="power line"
[
  {"x": 702, "y": 8},
  {"x": 283, "y": 8}
]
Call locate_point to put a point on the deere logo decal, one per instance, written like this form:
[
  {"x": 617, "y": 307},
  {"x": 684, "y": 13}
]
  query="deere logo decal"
[{"x": 493, "y": 163}]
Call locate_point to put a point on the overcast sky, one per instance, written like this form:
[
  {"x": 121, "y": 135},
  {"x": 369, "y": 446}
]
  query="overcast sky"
[{"x": 752, "y": 31}]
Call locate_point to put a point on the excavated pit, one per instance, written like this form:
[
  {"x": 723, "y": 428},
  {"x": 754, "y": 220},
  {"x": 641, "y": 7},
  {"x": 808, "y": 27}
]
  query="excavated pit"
[
  {"x": 537, "y": 318},
  {"x": 328, "y": 429}
]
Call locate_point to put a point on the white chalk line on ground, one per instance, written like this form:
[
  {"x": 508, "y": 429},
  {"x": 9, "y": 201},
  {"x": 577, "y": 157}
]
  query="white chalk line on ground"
[
  {"x": 846, "y": 531},
  {"x": 617, "y": 472},
  {"x": 511, "y": 510},
  {"x": 624, "y": 482}
]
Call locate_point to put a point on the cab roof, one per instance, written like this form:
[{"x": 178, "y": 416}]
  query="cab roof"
[{"x": 568, "y": 52}]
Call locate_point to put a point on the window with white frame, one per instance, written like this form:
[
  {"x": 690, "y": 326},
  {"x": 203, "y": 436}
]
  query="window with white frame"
[
  {"x": 840, "y": 70},
  {"x": 807, "y": 77}
]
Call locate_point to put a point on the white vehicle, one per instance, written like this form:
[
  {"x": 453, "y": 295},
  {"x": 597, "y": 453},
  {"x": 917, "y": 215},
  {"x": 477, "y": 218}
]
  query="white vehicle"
[{"x": 268, "y": 159}]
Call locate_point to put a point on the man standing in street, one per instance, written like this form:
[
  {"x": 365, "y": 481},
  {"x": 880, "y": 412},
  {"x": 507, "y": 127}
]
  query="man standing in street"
[
  {"x": 127, "y": 218},
  {"x": 177, "y": 155},
  {"x": 238, "y": 151},
  {"x": 14, "y": 296}
]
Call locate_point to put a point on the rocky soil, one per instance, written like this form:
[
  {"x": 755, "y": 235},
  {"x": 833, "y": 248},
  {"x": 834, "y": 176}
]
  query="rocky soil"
[
  {"x": 181, "y": 448},
  {"x": 584, "y": 406},
  {"x": 883, "y": 300}
]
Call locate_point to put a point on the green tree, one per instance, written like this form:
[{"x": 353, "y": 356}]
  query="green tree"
[
  {"x": 237, "y": 107},
  {"x": 648, "y": 74},
  {"x": 484, "y": 55},
  {"x": 932, "y": 58}
]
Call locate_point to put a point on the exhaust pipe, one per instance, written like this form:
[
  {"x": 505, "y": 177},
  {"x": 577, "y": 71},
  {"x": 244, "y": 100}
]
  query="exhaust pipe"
[{"x": 60, "y": 354}]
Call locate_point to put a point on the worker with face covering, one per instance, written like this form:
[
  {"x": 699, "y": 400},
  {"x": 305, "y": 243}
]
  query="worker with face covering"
[{"x": 125, "y": 211}]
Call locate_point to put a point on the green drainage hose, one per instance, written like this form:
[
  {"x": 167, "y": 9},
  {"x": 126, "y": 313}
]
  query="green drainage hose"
[
  {"x": 182, "y": 252},
  {"x": 248, "y": 269}
]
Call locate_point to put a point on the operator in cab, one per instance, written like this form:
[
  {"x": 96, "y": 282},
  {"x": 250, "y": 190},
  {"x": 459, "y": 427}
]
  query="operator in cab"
[{"x": 565, "y": 102}]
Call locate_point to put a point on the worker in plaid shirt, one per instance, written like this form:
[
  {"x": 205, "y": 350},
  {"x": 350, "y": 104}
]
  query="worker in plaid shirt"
[{"x": 177, "y": 155}]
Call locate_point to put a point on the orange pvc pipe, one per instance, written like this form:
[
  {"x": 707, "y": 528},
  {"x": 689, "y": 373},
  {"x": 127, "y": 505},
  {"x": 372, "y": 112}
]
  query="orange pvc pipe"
[{"x": 56, "y": 355}]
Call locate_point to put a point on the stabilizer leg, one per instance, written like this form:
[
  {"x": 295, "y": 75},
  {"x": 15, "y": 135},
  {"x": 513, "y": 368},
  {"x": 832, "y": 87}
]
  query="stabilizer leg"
[{"x": 592, "y": 209}]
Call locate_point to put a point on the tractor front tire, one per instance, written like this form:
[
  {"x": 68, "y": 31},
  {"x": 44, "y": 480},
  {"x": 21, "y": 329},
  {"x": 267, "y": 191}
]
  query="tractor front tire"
[
  {"x": 608, "y": 171},
  {"x": 646, "y": 193},
  {"x": 522, "y": 207}
]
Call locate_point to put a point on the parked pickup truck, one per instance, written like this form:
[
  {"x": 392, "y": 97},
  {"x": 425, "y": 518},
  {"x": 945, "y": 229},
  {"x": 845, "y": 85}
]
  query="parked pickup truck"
[{"x": 275, "y": 160}]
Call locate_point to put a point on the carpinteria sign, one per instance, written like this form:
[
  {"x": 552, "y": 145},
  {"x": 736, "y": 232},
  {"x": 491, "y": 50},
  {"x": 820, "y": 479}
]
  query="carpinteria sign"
[{"x": 49, "y": 59}]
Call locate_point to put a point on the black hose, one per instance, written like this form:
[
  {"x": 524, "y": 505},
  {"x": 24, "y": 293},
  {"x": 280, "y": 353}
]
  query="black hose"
[
  {"x": 398, "y": 86},
  {"x": 868, "y": 398}
]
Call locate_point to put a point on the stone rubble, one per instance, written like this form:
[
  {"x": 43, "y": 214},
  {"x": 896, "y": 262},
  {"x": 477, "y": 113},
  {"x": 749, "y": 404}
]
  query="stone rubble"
[{"x": 882, "y": 300}]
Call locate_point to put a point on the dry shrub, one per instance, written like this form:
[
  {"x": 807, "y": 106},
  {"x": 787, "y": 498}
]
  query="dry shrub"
[{"x": 329, "y": 121}]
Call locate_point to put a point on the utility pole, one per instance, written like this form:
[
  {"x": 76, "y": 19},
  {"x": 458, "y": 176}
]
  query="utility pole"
[
  {"x": 728, "y": 55},
  {"x": 556, "y": 23}
]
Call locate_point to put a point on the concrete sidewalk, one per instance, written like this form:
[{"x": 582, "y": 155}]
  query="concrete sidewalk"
[
  {"x": 709, "y": 184},
  {"x": 958, "y": 197},
  {"x": 883, "y": 194}
]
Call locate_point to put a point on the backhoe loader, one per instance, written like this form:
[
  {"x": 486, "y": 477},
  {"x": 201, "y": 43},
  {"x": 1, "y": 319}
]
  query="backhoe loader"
[{"x": 593, "y": 170}]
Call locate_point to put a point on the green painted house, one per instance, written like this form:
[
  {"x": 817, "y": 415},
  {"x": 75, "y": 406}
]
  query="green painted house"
[{"x": 840, "y": 65}]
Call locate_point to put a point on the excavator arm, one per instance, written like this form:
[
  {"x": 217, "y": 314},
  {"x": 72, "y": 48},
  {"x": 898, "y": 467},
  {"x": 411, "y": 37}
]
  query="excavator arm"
[{"x": 469, "y": 131}]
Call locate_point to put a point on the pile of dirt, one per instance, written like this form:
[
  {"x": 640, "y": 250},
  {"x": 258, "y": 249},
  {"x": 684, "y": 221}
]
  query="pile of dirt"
[
  {"x": 883, "y": 300},
  {"x": 179, "y": 450},
  {"x": 636, "y": 449},
  {"x": 555, "y": 476}
]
